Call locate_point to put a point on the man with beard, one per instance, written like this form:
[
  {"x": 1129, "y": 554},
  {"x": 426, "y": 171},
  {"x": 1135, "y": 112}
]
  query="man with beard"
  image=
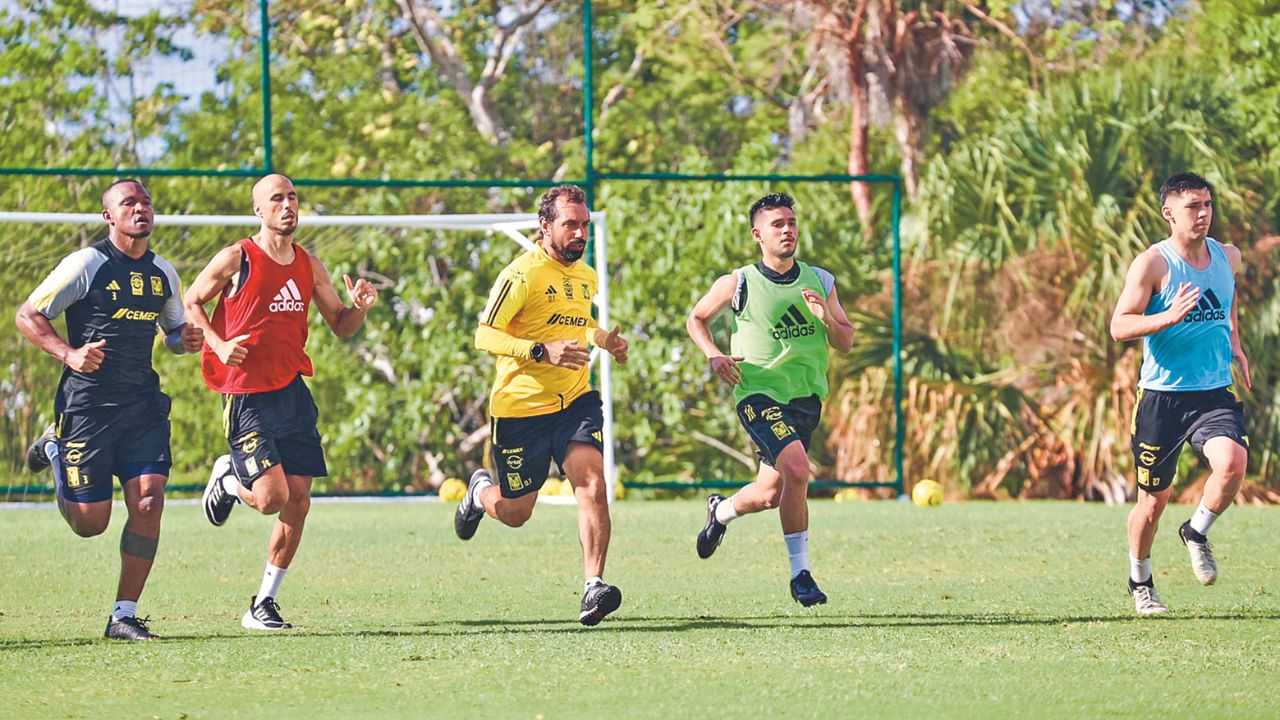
[
  {"x": 111, "y": 417},
  {"x": 538, "y": 323},
  {"x": 255, "y": 355},
  {"x": 785, "y": 313}
]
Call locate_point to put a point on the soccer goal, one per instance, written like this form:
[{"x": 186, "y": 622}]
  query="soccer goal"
[{"x": 190, "y": 240}]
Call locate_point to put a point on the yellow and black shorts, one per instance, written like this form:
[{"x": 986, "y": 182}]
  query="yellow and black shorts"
[
  {"x": 524, "y": 447},
  {"x": 1165, "y": 421}
]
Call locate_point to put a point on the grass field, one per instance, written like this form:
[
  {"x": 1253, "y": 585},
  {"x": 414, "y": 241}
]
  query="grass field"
[{"x": 968, "y": 610}]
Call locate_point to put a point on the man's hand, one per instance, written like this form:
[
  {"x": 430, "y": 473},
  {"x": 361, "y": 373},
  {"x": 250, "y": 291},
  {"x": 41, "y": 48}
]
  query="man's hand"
[
  {"x": 87, "y": 358},
  {"x": 362, "y": 294},
  {"x": 615, "y": 345},
  {"x": 568, "y": 354},
  {"x": 231, "y": 352},
  {"x": 192, "y": 338},
  {"x": 726, "y": 366},
  {"x": 817, "y": 305},
  {"x": 1183, "y": 303}
]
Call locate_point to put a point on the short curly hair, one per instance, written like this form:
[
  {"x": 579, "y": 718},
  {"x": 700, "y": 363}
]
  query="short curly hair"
[
  {"x": 772, "y": 201},
  {"x": 547, "y": 205},
  {"x": 1181, "y": 183}
]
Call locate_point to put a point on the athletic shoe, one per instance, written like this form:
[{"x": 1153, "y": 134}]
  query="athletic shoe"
[
  {"x": 805, "y": 591},
  {"x": 1202, "y": 562},
  {"x": 129, "y": 628},
  {"x": 598, "y": 601},
  {"x": 713, "y": 532},
  {"x": 37, "y": 458},
  {"x": 263, "y": 615},
  {"x": 470, "y": 512},
  {"x": 217, "y": 501},
  {"x": 1146, "y": 600}
]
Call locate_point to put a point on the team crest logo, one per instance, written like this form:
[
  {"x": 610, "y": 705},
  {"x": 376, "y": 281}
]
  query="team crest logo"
[
  {"x": 135, "y": 283},
  {"x": 157, "y": 287},
  {"x": 586, "y": 290},
  {"x": 515, "y": 482},
  {"x": 568, "y": 289},
  {"x": 1144, "y": 477},
  {"x": 248, "y": 443},
  {"x": 780, "y": 429}
]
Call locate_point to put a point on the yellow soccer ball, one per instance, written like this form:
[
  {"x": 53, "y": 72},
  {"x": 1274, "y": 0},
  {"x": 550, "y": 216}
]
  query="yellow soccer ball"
[
  {"x": 927, "y": 493},
  {"x": 550, "y": 487},
  {"x": 453, "y": 490}
]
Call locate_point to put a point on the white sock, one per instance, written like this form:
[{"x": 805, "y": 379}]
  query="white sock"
[
  {"x": 595, "y": 580},
  {"x": 271, "y": 580},
  {"x": 124, "y": 609},
  {"x": 798, "y": 551},
  {"x": 1139, "y": 570},
  {"x": 1202, "y": 520},
  {"x": 725, "y": 511},
  {"x": 232, "y": 486},
  {"x": 484, "y": 482}
]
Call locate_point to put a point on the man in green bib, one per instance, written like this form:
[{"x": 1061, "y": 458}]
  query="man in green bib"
[{"x": 785, "y": 313}]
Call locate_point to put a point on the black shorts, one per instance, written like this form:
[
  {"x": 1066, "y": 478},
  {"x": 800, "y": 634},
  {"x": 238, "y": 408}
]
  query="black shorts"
[
  {"x": 274, "y": 428},
  {"x": 523, "y": 447},
  {"x": 124, "y": 441},
  {"x": 773, "y": 425},
  {"x": 1164, "y": 421}
]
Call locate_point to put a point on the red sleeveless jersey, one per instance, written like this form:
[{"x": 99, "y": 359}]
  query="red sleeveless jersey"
[{"x": 271, "y": 307}]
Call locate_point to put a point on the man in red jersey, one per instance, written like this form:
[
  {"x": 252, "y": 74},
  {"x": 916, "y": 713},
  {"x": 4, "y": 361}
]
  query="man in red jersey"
[{"x": 254, "y": 354}]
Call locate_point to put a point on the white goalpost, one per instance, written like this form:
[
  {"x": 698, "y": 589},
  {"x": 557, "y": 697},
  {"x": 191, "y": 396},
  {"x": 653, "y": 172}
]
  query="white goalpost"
[{"x": 515, "y": 227}]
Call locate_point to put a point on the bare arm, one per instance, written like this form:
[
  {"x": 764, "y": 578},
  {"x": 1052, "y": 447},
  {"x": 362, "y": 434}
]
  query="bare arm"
[
  {"x": 343, "y": 320},
  {"x": 1237, "y": 347},
  {"x": 1141, "y": 282},
  {"x": 40, "y": 331},
  {"x": 831, "y": 313},
  {"x": 207, "y": 286},
  {"x": 720, "y": 295}
]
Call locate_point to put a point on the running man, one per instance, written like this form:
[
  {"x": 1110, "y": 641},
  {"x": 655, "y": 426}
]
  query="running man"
[
  {"x": 785, "y": 313},
  {"x": 538, "y": 323},
  {"x": 1179, "y": 297},
  {"x": 255, "y": 355},
  {"x": 111, "y": 417}
]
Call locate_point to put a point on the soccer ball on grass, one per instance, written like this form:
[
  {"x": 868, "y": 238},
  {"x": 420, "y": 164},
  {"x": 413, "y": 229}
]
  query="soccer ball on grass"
[{"x": 927, "y": 493}]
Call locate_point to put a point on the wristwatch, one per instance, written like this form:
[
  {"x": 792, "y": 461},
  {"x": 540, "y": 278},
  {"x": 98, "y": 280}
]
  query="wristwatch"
[{"x": 538, "y": 352}]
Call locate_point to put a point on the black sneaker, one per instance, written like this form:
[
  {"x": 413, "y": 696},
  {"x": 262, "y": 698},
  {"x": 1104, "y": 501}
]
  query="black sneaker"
[
  {"x": 805, "y": 591},
  {"x": 217, "y": 501},
  {"x": 129, "y": 628},
  {"x": 598, "y": 601},
  {"x": 263, "y": 615},
  {"x": 37, "y": 458},
  {"x": 469, "y": 513},
  {"x": 713, "y": 532}
]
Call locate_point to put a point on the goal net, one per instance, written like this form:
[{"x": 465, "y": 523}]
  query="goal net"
[{"x": 403, "y": 405}]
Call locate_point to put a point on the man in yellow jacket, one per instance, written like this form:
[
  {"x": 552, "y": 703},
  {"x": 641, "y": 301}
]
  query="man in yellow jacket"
[{"x": 538, "y": 323}]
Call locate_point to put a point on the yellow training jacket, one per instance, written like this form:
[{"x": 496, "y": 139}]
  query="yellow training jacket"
[{"x": 537, "y": 299}]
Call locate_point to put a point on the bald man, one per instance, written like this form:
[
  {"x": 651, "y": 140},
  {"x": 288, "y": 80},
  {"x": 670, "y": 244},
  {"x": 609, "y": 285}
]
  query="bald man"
[
  {"x": 255, "y": 356},
  {"x": 111, "y": 417}
]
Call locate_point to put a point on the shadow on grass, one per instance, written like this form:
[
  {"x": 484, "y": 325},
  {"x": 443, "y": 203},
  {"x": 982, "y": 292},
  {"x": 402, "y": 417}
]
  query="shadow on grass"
[{"x": 662, "y": 624}]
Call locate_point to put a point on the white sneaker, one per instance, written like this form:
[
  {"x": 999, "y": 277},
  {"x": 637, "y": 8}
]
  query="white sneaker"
[
  {"x": 1146, "y": 600},
  {"x": 1202, "y": 562}
]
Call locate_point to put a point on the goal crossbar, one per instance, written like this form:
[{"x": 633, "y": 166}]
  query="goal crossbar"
[{"x": 513, "y": 226}]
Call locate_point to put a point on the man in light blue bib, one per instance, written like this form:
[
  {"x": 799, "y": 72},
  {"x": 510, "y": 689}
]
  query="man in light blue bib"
[{"x": 1179, "y": 297}]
